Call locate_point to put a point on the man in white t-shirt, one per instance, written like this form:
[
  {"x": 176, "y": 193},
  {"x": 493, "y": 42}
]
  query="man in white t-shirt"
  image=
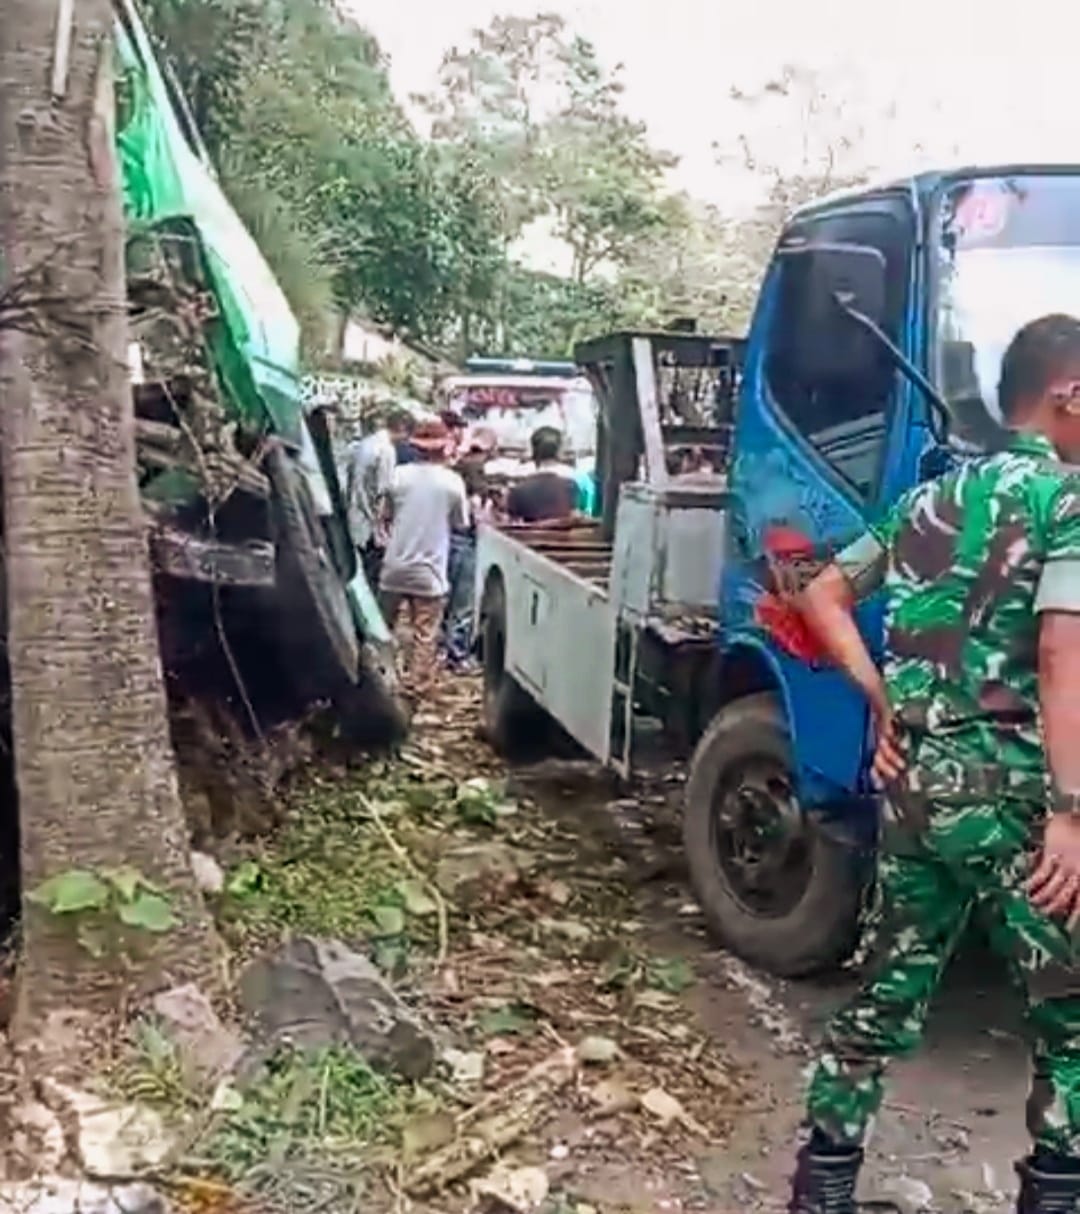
[{"x": 426, "y": 501}]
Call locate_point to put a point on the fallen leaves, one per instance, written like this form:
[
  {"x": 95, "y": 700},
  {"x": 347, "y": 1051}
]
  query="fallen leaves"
[
  {"x": 540, "y": 944},
  {"x": 493, "y": 1123}
]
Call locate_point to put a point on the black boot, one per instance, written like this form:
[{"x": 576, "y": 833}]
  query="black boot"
[
  {"x": 1048, "y": 1185},
  {"x": 825, "y": 1179}
]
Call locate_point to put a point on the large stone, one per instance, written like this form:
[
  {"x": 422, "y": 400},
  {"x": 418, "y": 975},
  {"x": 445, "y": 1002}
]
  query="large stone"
[
  {"x": 208, "y": 1050},
  {"x": 316, "y": 993},
  {"x": 111, "y": 1139}
]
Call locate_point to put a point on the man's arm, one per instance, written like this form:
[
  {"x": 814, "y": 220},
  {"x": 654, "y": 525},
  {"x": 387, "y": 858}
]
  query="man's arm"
[
  {"x": 385, "y": 463},
  {"x": 1055, "y": 885},
  {"x": 384, "y": 507},
  {"x": 459, "y": 506},
  {"x": 1059, "y": 696},
  {"x": 827, "y": 606},
  {"x": 350, "y": 473}
]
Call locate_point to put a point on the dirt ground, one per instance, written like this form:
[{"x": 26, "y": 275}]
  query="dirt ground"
[
  {"x": 586, "y": 932},
  {"x": 953, "y": 1122}
]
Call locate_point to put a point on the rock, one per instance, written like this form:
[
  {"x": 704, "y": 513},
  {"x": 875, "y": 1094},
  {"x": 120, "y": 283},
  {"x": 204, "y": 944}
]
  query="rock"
[
  {"x": 208, "y": 875},
  {"x": 58, "y": 1195},
  {"x": 111, "y": 1139},
  {"x": 473, "y": 868},
  {"x": 139, "y": 1199},
  {"x": 599, "y": 1050},
  {"x": 316, "y": 993},
  {"x": 914, "y": 1196},
  {"x": 520, "y": 1190},
  {"x": 466, "y": 1066},
  {"x": 207, "y": 1049}
]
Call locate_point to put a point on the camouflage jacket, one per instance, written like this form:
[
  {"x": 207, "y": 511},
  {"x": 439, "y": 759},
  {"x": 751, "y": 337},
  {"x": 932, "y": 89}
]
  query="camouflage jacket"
[{"x": 967, "y": 562}]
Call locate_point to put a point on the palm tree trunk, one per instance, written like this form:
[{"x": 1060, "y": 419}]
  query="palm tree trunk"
[{"x": 95, "y": 769}]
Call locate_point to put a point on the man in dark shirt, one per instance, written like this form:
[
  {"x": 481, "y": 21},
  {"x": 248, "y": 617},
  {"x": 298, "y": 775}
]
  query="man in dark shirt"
[{"x": 550, "y": 491}]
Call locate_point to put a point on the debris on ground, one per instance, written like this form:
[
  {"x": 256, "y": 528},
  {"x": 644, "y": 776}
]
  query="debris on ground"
[
  {"x": 206, "y": 1048},
  {"x": 446, "y": 995}
]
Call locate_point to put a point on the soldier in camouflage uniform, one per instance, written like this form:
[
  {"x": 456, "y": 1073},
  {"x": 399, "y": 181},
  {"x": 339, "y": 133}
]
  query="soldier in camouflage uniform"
[{"x": 981, "y": 571}]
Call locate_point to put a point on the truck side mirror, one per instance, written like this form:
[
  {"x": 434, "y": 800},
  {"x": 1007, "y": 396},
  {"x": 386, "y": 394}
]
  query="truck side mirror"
[{"x": 825, "y": 285}]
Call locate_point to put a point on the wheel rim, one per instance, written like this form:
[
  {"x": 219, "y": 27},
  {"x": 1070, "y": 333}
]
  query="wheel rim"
[{"x": 759, "y": 838}]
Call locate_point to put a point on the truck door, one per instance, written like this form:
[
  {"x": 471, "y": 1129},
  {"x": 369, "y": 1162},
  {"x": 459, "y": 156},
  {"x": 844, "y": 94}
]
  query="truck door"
[{"x": 808, "y": 468}]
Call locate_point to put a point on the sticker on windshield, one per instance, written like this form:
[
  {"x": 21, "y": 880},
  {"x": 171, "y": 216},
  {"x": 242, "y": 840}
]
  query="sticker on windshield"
[{"x": 982, "y": 214}]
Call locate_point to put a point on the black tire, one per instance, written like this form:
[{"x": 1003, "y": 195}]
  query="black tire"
[
  {"x": 315, "y": 622},
  {"x": 808, "y": 922},
  {"x": 370, "y": 714},
  {"x": 514, "y": 724}
]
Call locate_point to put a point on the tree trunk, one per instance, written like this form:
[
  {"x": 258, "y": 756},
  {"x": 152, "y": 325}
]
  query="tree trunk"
[{"x": 95, "y": 769}]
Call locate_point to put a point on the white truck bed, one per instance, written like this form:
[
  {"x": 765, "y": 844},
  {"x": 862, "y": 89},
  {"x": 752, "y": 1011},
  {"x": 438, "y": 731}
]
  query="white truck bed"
[{"x": 561, "y": 632}]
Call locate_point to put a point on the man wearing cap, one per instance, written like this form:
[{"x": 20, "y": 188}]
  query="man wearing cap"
[{"x": 426, "y": 502}]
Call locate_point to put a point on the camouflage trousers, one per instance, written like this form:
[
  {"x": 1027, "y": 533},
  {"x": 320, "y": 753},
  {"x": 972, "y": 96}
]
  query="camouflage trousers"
[{"x": 968, "y": 859}]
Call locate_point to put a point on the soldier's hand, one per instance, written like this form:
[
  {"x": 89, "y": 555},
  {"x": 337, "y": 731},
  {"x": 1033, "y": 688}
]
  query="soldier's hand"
[
  {"x": 889, "y": 762},
  {"x": 1054, "y": 886}
]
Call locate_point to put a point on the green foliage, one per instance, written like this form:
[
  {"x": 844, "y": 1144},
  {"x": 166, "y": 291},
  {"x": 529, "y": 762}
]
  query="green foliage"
[
  {"x": 546, "y": 315},
  {"x": 302, "y": 1107},
  {"x": 670, "y": 974},
  {"x": 328, "y": 873},
  {"x": 152, "y": 1071},
  {"x": 509, "y": 1020},
  {"x": 299, "y": 259},
  {"x": 355, "y": 210},
  {"x": 212, "y": 46},
  {"x": 628, "y": 970},
  {"x": 102, "y": 907},
  {"x": 479, "y": 802}
]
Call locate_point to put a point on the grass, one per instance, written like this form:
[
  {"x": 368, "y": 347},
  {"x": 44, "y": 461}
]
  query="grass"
[
  {"x": 328, "y": 872},
  {"x": 305, "y": 1105}
]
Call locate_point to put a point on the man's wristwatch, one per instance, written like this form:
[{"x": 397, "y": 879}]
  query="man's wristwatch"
[{"x": 1062, "y": 802}]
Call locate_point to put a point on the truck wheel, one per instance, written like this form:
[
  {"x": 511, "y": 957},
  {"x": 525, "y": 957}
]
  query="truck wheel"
[
  {"x": 315, "y": 622},
  {"x": 773, "y": 887},
  {"x": 513, "y": 721}
]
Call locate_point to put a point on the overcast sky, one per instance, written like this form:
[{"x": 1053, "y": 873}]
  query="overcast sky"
[{"x": 926, "y": 80}]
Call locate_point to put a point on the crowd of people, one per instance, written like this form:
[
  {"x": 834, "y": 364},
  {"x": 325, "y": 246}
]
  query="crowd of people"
[{"x": 416, "y": 491}]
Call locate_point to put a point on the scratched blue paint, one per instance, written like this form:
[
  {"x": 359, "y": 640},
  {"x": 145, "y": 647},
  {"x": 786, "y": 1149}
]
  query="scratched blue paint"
[{"x": 776, "y": 479}]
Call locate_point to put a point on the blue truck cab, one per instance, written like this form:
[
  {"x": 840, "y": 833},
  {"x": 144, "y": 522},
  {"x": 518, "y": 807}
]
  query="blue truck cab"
[{"x": 871, "y": 363}]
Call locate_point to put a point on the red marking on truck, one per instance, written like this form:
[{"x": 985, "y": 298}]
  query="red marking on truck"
[{"x": 790, "y": 555}]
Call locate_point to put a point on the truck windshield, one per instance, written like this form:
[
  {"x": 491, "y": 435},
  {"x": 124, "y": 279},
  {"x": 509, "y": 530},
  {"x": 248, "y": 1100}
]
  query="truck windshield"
[{"x": 1008, "y": 252}]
